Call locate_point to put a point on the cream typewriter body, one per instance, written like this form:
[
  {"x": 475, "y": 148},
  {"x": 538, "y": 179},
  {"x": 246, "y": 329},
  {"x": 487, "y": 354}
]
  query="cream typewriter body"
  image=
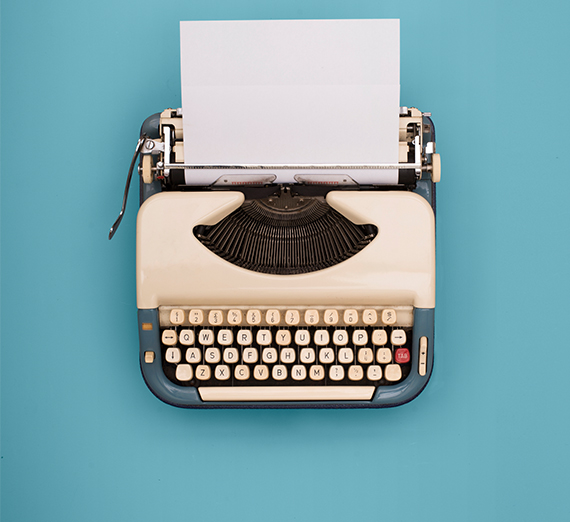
[{"x": 252, "y": 293}]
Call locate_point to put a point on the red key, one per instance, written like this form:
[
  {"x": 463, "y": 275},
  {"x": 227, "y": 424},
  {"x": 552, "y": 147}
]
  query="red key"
[{"x": 402, "y": 355}]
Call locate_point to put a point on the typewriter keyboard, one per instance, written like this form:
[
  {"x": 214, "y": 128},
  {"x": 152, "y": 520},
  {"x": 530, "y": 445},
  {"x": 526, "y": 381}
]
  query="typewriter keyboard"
[{"x": 293, "y": 353}]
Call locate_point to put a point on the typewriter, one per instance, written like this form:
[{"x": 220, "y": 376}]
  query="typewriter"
[
  {"x": 283, "y": 283},
  {"x": 291, "y": 295}
]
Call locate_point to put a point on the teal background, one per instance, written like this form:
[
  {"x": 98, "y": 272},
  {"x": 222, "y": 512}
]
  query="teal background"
[{"x": 82, "y": 437}]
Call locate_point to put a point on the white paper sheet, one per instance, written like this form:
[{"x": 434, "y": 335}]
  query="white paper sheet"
[{"x": 290, "y": 92}]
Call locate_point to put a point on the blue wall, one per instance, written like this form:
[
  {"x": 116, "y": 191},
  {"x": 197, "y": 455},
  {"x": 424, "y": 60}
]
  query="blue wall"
[{"x": 82, "y": 437}]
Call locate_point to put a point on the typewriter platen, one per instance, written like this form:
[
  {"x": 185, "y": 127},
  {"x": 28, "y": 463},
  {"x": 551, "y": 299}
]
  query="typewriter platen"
[{"x": 319, "y": 293}]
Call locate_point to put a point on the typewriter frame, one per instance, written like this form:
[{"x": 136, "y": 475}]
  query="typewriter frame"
[{"x": 161, "y": 169}]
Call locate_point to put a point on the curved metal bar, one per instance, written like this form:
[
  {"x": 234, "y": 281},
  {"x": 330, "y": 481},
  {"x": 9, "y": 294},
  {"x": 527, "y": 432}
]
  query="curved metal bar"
[{"x": 116, "y": 224}]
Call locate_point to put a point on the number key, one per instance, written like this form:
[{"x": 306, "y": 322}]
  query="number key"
[
  {"x": 215, "y": 317},
  {"x": 272, "y": 317},
  {"x": 177, "y": 317},
  {"x": 196, "y": 317},
  {"x": 350, "y": 316},
  {"x": 234, "y": 317},
  {"x": 331, "y": 317},
  {"x": 312, "y": 316},
  {"x": 253, "y": 317}
]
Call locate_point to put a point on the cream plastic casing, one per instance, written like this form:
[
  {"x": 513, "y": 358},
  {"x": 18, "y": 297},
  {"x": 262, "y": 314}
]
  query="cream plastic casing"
[{"x": 396, "y": 268}]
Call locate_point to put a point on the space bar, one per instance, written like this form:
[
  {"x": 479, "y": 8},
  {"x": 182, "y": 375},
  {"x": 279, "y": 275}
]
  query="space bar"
[{"x": 286, "y": 393}]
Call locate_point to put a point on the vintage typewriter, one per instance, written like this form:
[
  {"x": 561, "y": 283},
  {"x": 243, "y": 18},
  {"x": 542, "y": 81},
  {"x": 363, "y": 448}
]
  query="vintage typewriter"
[{"x": 253, "y": 293}]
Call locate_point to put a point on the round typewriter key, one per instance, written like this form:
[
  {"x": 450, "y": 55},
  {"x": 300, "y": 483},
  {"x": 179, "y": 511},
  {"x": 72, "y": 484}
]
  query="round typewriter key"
[
  {"x": 374, "y": 373},
  {"x": 307, "y": 355},
  {"x": 269, "y": 355},
  {"x": 253, "y": 317},
  {"x": 225, "y": 337},
  {"x": 272, "y": 317},
  {"x": 177, "y": 316},
  {"x": 234, "y": 317},
  {"x": 169, "y": 337},
  {"x": 299, "y": 372},
  {"x": 350, "y": 316},
  {"x": 398, "y": 337},
  {"x": 184, "y": 372},
  {"x": 193, "y": 355},
  {"x": 261, "y": 372},
  {"x": 336, "y": 373},
  {"x": 173, "y": 355},
  {"x": 402, "y": 355},
  {"x": 206, "y": 337},
  {"x": 311, "y": 316},
  {"x": 317, "y": 372},
  {"x": 322, "y": 337},
  {"x": 242, "y": 372},
  {"x": 302, "y": 337},
  {"x": 231, "y": 355},
  {"x": 388, "y": 316},
  {"x": 215, "y": 317},
  {"x": 187, "y": 337},
  {"x": 384, "y": 355},
  {"x": 331, "y": 317},
  {"x": 340, "y": 337},
  {"x": 393, "y": 372},
  {"x": 222, "y": 372},
  {"x": 355, "y": 373},
  {"x": 288, "y": 355},
  {"x": 196, "y": 317},
  {"x": 292, "y": 317},
  {"x": 283, "y": 337},
  {"x": 360, "y": 337},
  {"x": 369, "y": 317},
  {"x": 244, "y": 337},
  {"x": 326, "y": 355},
  {"x": 279, "y": 372},
  {"x": 345, "y": 355},
  {"x": 365, "y": 355},
  {"x": 250, "y": 355},
  {"x": 203, "y": 372},
  {"x": 212, "y": 355},
  {"x": 263, "y": 337},
  {"x": 379, "y": 337}
]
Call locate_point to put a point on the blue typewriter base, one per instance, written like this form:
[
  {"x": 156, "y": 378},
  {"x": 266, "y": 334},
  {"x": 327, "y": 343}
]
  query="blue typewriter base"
[{"x": 188, "y": 397}]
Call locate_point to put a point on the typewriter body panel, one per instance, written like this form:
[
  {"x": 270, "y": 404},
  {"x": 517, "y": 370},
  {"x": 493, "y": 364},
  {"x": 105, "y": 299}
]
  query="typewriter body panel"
[{"x": 223, "y": 324}]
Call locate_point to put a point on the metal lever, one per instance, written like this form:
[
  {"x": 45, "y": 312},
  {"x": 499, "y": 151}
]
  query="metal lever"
[{"x": 116, "y": 224}]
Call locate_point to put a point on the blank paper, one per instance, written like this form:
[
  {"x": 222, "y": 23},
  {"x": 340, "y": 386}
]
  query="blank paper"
[{"x": 290, "y": 92}]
